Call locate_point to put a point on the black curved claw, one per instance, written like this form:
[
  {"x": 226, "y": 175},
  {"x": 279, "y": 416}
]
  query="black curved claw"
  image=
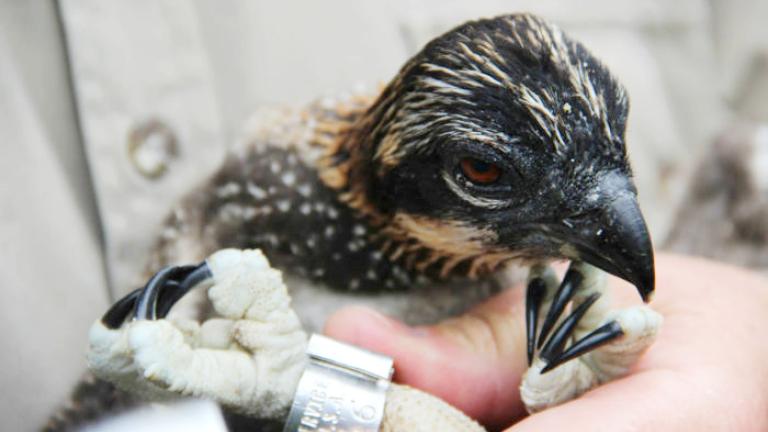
[
  {"x": 166, "y": 287},
  {"x": 175, "y": 290},
  {"x": 155, "y": 300},
  {"x": 552, "y": 348},
  {"x": 595, "y": 339},
  {"x": 147, "y": 301},
  {"x": 555, "y": 344},
  {"x": 571, "y": 282},
  {"x": 116, "y": 315},
  {"x": 533, "y": 297}
]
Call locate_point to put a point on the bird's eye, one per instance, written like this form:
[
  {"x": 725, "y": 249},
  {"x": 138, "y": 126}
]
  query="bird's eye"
[{"x": 480, "y": 172}]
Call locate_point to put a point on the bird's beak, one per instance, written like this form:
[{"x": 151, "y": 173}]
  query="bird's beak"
[{"x": 615, "y": 238}]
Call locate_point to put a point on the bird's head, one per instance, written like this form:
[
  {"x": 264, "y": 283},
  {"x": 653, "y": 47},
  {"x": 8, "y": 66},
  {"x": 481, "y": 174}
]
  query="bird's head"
[{"x": 501, "y": 139}]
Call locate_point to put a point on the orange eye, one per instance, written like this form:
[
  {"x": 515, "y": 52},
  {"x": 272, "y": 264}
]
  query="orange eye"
[{"x": 480, "y": 172}]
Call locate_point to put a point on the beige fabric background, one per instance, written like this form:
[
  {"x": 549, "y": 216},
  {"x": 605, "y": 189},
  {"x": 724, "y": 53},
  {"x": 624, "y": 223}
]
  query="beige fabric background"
[{"x": 77, "y": 77}]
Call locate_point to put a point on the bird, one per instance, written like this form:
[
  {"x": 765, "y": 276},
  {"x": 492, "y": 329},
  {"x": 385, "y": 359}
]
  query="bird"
[{"x": 501, "y": 142}]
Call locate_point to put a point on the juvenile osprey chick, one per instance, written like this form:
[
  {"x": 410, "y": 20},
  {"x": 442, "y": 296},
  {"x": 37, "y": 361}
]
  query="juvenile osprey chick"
[{"x": 501, "y": 141}]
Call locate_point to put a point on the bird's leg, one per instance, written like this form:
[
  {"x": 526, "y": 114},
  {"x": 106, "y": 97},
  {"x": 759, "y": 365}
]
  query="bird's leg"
[
  {"x": 603, "y": 344},
  {"x": 251, "y": 365},
  {"x": 249, "y": 357}
]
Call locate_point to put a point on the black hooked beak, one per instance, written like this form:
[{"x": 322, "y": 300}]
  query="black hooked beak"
[{"x": 615, "y": 238}]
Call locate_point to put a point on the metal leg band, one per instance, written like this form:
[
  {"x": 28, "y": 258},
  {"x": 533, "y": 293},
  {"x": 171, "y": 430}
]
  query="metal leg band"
[{"x": 342, "y": 389}]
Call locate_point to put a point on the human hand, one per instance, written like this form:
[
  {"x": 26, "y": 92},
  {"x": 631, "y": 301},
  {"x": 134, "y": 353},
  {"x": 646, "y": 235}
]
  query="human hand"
[{"x": 708, "y": 369}]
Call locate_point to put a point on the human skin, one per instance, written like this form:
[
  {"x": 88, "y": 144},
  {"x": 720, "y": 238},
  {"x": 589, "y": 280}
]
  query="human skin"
[{"x": 707, "y": 371}]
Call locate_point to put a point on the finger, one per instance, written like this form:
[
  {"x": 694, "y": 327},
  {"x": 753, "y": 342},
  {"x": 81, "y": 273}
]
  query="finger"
[
  {"x": 474, "y": 362},
  {"x": 656, "y": 400}
]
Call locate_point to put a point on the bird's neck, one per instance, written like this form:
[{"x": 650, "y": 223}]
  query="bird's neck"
[
  {"x": 347, "y": 163},
  {"x": 294, "y": 196},
  {"x": 426, "y": 246}
]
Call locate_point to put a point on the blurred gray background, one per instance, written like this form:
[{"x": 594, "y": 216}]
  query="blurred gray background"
[{"x": 110, "y": 110}]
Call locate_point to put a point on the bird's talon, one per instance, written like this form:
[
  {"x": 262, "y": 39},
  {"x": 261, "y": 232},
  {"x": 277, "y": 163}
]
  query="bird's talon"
[
  {"x": 571, "y": 282},
  {"x": 118, "y": 312},
  {"x": 597, "y": 338},
  {"x": 535, "y": 294},
  {"x": 158, "y": 296},
  {"x": 604, "y": 343},
  {"x": 145, "y": 304},
  {"x": 176, "y": 289},
  {"x": 554, "y": 346},
  {"x": 247, "y": 363}
]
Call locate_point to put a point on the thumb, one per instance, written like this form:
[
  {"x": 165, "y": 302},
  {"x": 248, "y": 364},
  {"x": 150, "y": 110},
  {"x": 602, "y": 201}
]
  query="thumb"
[{"x": 474, "y": 362}]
